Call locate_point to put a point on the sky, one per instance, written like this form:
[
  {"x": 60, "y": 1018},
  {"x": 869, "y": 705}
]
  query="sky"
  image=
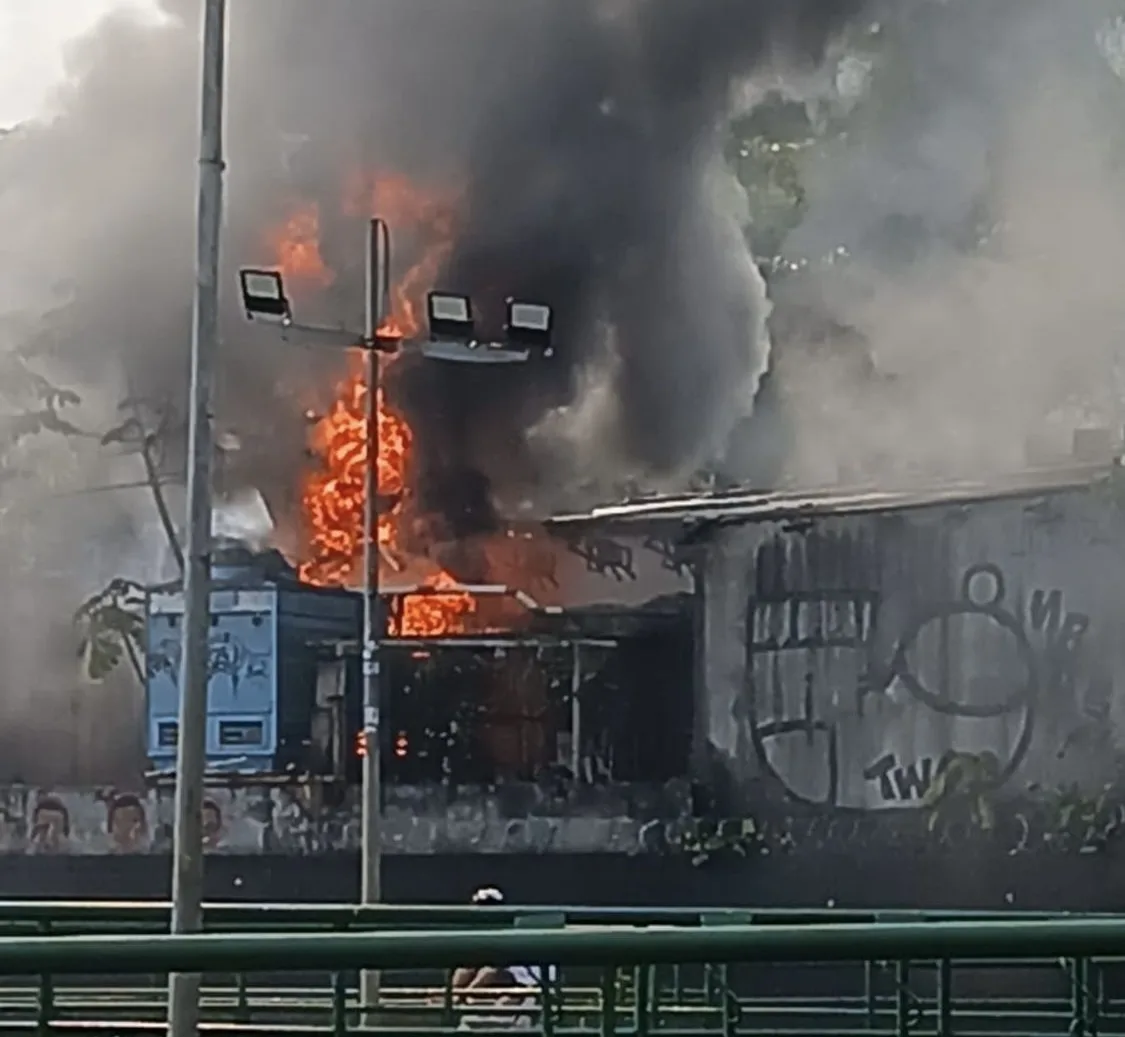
[{"x": 33, "y": 39}]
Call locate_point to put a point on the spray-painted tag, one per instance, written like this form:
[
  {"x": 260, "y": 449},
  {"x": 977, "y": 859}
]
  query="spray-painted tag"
[{"x": 371, "y": 720}]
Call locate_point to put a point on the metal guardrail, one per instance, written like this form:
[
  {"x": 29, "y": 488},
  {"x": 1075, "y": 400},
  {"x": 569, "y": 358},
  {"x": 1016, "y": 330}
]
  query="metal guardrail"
[
  {"x": 154, "y": 915},
  {"x": 608, "y": 946},
  {"x": 666, "y": 981}
]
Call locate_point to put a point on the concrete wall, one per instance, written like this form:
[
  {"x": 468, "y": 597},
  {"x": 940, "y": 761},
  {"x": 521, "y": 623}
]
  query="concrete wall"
[
  {"x": 311, "y": 819},
  {"x": 845, "y": 657}
]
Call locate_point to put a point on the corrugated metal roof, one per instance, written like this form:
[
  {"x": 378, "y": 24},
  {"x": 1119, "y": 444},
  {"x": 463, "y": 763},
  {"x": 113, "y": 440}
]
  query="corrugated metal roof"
[{"x": 759, "y": 506}]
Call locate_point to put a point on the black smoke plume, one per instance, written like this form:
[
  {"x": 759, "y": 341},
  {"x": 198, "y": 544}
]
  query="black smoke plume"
[
  {"x": 586, "y": 189},
  {"x": 577, "y": 133}
]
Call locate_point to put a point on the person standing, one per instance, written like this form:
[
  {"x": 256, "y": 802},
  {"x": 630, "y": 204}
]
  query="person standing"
[{"x": 508, "y": 984}]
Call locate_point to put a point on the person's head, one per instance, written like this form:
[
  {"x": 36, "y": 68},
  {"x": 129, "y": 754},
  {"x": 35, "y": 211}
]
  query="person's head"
[{"x": 487, "y": 895}]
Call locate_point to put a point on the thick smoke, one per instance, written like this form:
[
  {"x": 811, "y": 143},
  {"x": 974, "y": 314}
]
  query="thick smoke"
[
  {"x": 581, "y": 138},
  {"x": 589, "y": 185},
  {"x": 977, "y": 199},
  {"x": 583, "y": 141}
]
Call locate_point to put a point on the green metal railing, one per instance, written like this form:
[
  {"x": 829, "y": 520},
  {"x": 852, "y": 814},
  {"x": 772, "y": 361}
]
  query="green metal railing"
[
  {"x": 942, "y": 978},
  {"x": 987, "y": 940},
  {"x": 153, "y": 916}
]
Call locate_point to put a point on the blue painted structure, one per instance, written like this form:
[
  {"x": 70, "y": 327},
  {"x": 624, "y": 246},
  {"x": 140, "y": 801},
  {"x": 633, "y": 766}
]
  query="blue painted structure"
[{"x": 262, "y": 694}]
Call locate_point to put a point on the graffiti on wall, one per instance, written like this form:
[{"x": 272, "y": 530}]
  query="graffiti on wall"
[
  {"x": 229, "y": 656},
  {"x": 848, "y": 713},
  {"x": 605, "y": 556},
  {"x": 309, "y": 818}
]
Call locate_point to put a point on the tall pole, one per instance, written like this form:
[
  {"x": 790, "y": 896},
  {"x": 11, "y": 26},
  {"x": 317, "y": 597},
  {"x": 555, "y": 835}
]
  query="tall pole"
[
  {"x": 370, "y": 878},
  {"x": 187, "y": 865}
]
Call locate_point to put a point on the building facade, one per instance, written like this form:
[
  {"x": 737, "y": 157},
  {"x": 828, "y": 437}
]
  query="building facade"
[{"x": 852, "y": 647}]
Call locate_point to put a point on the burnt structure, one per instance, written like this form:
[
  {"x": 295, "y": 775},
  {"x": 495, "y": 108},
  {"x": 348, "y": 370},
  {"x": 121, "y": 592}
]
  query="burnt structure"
[
  {"x": 592, "y": 695},
  {"x": 770, "y": 688},
  {"x": 264, "y": 714},
  {"x": 851, "y": 645}
]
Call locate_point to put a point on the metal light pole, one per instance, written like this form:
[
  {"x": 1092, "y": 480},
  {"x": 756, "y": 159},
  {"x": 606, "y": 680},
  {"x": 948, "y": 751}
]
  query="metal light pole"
[
  {"x": 264, "y": 298},
  {"x": 187, "y": 866},
  {"x": 376, "y": 301}
]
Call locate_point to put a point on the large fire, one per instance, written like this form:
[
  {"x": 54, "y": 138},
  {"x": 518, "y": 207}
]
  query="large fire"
[{"x": 332, "y": 493}]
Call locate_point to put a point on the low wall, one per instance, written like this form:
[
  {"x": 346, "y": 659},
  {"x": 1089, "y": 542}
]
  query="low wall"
[{"x": 311, "y": 818}]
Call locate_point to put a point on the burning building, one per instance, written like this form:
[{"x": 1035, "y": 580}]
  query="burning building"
[
  {"x": 497, "y": 669},
  {"x": 576, "y": 168}
]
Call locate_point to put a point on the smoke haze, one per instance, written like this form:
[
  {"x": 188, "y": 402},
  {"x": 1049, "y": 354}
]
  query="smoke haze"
[
  {"x": 583, "y": 143},
  {"x": 578, "y": 138},
  {"x": 1003, "y": 127}
]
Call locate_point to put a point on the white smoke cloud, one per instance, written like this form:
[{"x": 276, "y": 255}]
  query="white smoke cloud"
[
  {"x": 970, "y": 354},
  {"x": 33, "y": 41}
]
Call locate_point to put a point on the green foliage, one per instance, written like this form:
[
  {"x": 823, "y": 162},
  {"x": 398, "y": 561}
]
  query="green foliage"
[
  {"x": 34, "y": 403},
  {"x": 111, "y": 623},
  {"x": 765, "y": 152},
  {"x": 32, "y": 406},
  {"x": 1109, "y": 492},
  {"x": 962, "y": 791},
  {"x": 110, "y": 626},
  {"x": 129, "y": 431},
  {"x": 705, "y": 840},
  {"x": 1077, "y": 815}
]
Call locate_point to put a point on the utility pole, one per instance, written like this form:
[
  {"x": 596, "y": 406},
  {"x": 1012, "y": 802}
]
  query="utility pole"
[
  {"x": 187, "y": 866},
  {"x": 376, "y": 301},
  {"x": 528, "y": 327}
]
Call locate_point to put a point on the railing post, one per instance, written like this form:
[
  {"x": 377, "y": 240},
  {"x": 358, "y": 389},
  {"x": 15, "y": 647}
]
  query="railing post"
[
  {"x": 340, "y": 990},
  {"x": 945, "y": 998},
  {"x": 869, "y": 994},
  {"x": 339, "y": 1003},
  {"x": 45, "y": 1008},
  {"x": 609, "y": 1001},
  {"x": 902, "y": 998},
  {"x": 1092, "y": 984},
  {"x": 1079, "y": 996},
  {"x": 729, "y": 1002},
  {"x": 547, "y": 1000},
  {"x": 641, "y": 982},
  {"x": 242, "y": 1006},
  {"x": 448, "y": 1017}
]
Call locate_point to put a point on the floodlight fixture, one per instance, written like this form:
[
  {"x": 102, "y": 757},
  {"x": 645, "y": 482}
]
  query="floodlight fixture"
[
  {"x": 263, "y": 296},
  {"x": 529, "y": 325},
  {"x": 450, "y": 317}
]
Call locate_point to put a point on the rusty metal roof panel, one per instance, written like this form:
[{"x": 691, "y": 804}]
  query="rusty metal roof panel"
[{"x": 759, "y": 506}]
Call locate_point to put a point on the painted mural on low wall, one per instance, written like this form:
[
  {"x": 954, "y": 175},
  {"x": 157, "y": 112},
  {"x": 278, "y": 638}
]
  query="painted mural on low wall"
[
  {"x": 310, "y": 818},
  {"x": 855, "y": 662}
]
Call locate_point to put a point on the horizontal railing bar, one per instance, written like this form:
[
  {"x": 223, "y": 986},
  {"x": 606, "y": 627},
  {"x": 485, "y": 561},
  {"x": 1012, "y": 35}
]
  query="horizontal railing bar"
[
  {"x": 158, "y": 911},
  {"x": 1088, "y": 937}
]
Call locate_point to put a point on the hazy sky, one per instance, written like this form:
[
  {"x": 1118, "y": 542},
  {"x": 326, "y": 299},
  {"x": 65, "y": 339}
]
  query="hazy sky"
[{"x": 33, "y": 38}]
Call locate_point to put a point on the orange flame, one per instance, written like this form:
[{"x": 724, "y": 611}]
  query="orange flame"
[
  {"x": 295, "y": 246},
  {"x": 370, "y": 194},
  {"x": 431, "y": 615},
  {"x": 332, "y": 494}
]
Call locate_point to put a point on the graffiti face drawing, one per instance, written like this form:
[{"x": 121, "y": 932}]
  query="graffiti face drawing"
[
  {"x": 50, "y": 827},
  {"x": 127, "y": 825},
  {"x": 212, "y": 825},
  {"x": 964, "y": 675}
]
